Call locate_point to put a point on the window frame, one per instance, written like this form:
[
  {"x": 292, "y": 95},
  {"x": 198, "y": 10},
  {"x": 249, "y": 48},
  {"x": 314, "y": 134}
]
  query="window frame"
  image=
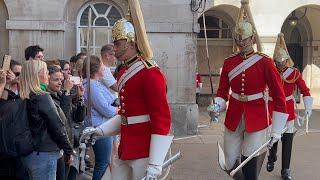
[
  {"x": 93, "y": 45},
  {"x": 216, "y": 29}
]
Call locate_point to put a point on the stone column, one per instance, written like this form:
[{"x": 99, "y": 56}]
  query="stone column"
[{"x": 170, "y": 30}]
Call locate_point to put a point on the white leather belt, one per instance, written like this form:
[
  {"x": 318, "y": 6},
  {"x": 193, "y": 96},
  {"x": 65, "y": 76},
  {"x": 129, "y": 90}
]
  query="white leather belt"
[
  {"x": 135, "y": 119},
  {"x": 288, "y": 98},
  {"x": 246, "y": 98}
]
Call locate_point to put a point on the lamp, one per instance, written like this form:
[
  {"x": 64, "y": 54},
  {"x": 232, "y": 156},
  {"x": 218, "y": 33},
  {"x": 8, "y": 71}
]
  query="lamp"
[{"x": 293, "y": 19}]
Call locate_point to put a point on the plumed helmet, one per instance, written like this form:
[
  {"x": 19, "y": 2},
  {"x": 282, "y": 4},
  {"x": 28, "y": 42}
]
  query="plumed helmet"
[
  {"x": 133, "y": 29},
  {"x": 245, "y": 26},
  {"x": 281, "y": 52}
]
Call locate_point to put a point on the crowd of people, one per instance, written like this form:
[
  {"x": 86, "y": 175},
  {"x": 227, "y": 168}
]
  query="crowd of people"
[{"x": 55, "y": 91}]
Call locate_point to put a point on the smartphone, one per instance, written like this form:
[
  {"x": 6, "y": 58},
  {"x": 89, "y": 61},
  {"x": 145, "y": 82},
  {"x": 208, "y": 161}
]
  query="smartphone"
[
  {"x": 75, "y": 80},
  {"x": 6, "y": 63}
]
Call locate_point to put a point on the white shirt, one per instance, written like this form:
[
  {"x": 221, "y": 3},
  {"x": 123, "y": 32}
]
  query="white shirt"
[{"x": 108, "y": 80}]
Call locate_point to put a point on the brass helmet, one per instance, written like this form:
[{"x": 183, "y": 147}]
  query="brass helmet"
[
  {"x": 133, "y": 29},
  {"x": 245, "y": 26},
  {"x": 123, "y": 29},
  {"x": 281, "y": 52}
]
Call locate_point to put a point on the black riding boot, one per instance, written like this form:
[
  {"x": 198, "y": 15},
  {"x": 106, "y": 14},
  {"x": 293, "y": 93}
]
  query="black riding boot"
[
  {"x": 272, "y": 158},
  {"x": 286, "y": 155},
  {"x": 252, "y": 169},
  {"x": 238, "y": 175}
]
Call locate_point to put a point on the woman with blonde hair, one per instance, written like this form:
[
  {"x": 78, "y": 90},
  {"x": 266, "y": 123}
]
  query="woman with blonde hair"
[{"x": 46, "y": 126}]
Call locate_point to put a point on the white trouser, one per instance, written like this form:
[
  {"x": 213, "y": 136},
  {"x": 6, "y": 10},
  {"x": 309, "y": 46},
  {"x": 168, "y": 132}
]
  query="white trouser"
[
  {"x": 241, "y": 142},
  {"x": 290, "y": 127},
  {"x": 129, "y": 169}
]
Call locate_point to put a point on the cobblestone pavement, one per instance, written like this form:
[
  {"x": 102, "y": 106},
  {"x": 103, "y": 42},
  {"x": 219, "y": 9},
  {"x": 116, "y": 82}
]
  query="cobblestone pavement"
[{"x": 199, "y": 161}]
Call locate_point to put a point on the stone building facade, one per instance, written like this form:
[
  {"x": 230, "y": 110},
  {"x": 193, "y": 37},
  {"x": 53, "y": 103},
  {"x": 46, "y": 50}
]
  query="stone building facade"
[{"x": 174, "y": 29}]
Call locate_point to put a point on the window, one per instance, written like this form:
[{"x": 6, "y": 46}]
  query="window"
[
  {"x": 216, "y": 28},
  {"x": 102, "y": 20}
]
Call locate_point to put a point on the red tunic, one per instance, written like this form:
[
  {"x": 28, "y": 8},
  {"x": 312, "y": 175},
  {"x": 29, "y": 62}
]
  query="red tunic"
[
  {"x": 289, "y": 84},
  {"x": 251, "y": 81},
  {"x": 143, "y": 94},
  {"x": 198, "y": 80}
]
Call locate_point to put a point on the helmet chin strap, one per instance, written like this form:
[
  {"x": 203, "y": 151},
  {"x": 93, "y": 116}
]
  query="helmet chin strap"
[
  {"x": 123, "y": 51},
  {"x": 280, "y": 66},
  {"x": 247, "y": 48}
]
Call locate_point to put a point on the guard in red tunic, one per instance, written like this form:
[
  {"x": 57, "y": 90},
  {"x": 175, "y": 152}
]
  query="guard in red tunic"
[
  {"x": 291, "y": 78},
  {"x": 144, "y": 117},
  {"x": 198, "y": 86},
  {"x": 248, "y": 73}
]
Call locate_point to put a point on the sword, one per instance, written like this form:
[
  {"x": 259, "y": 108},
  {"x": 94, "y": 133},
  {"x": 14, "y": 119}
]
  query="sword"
[
  {"x": 233, "y": 172},
  {"x": 88, "y": 68},
  {"x": 169, "y": 162},
  {"x": 307, "y": 124},
  {"x": 214, "y": 116}
]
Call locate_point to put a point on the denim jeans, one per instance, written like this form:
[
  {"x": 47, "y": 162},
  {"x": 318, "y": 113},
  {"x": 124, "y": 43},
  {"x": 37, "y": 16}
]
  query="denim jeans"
[
  {"x": 102, "y": 152},
  {"x": 42, "y": 165}
]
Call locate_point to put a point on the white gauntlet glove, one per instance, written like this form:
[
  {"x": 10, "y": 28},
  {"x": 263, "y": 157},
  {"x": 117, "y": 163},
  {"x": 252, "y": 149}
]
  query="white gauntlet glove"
[
  {"x": 214, "y": 109},
  {"x": 91, "y": 131},
  {"x": 308, "y": 101},
  {"x": 153, "y": 171},
  {"x": 273, "y": 140},
  {"x": 279, "y": 121},
  {"x": 159, "y": 147}
]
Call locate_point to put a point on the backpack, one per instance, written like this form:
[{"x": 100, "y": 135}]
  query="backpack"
[{"x": 15, "y": 135}]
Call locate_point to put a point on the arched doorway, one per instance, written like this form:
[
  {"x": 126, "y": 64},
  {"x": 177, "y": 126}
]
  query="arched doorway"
[
  {"x": 302, "y": 35},
  {"x": 220, "y": 22},
  {"x": 4, "y": 33}
]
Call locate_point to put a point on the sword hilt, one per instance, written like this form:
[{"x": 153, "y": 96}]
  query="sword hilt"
[
  {"x": 169, "y": 162},
  {"x": 214, "y": 114}
]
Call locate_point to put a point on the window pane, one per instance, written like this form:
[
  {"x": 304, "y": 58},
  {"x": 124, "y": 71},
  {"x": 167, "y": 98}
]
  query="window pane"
[
  {"x": 97, "y": 52},
  {"x": 201, "y": 34},
  {"x": 210, "y": 34},
  {"x": 84, "y": 17},
  {"x": 224, "y": 25},
  {"x": 101, "y": 8},
  {"x": 113, "y": 16},
  {"x": 224, "y": 33},
  {"x": 213, "y": 34},
  {"x": 101, "y": 21},
  {"x": 83, "y": 37},
  {"x": 212, "y": 22},
  {"x": 102, "y": 36}
]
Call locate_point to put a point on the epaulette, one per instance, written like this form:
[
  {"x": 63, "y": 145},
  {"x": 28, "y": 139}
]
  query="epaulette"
[
  {"x": 149, "y": 63},
  {"x": 232, "y": 55},
  {"x": 264, "y": 55}
]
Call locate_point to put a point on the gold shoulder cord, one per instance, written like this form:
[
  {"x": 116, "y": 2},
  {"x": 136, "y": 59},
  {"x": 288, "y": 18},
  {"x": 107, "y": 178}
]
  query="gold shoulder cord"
[
  {"x": 148, "y": 64},
  {"x": 292, "y": 80}
]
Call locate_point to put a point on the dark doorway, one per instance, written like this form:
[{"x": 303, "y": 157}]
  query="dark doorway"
[{"x": 296, "y": 53}]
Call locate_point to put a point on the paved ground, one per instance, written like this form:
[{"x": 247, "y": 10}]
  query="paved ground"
[{"x": 199, "y": 161}]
